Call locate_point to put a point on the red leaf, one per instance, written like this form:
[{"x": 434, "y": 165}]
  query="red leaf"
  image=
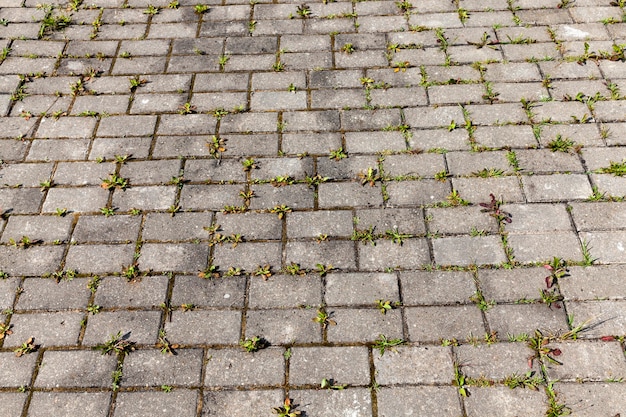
[
  {"x": 556, "y": 352},
  {"x": 607, "y": 338}
]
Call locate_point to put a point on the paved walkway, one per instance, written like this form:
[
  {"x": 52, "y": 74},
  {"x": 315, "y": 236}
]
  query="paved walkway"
[{"x": 329, "y": 208}]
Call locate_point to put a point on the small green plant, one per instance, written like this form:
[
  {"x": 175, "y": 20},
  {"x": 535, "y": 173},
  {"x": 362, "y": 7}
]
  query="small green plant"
[
  {"x": 164, "y": 345},
  {"x": 264, "y": 272},
  {"x": 93, "y": 308},
  {"x": 107, "y": 211},
  {"x": 460, "y": 381},
  {"x": 151, "y": 10},
  {"x": 253, "y": 344},
  {"x": 616, "y": 168},
  {"x": 216, "y": 146},
  {"x": 479, "y": 299},
  {"x": 322, "y": 269},
  {"x": 561, "y": 144},
  {"x": 364, "y": 235},
  {"x": 248, "y": 164},
  {"x": 131, "y": 272},
  {"x": 286, "y": 410},
  {"x": 489, "y": 173},
  {"x": 395, "y": 236},
  {"x": 303, "y": 11},
  {"x": 280, "y": 210},
  {"x": 383, "y": 343},
  {"x": 186, "y": 108},
  {"x": 201, "y": 8},
  {"x": 385, "y": 305},
  {"x": 136, "y": 83},
  {"x": 324, "y": 318},
  {"x": 464, "y": 15},
  {"x": 294, "y": 269},
  {"x": 25, "y": 242},
  {"x": 114, "y": 181},
  {"x": 493, "y": 208},
  {"x": 348, "y": 48},
  {"x": 558, "y": 270},
  {"x": 26, "y": 347},
  {"x": 539, "y": 344},
  {"x": 442, "y": 176},
  {"x": 222, "y": 60},
  {"x": 369, "y": 177},
  {"x": 5, "y": 330},
  {"x": 331, "y": 385},
  {"x": 338, "y": 154}
]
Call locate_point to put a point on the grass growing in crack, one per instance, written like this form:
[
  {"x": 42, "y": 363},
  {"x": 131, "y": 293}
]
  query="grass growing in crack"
[
  {"x": 324, "y": 318},
  {"x": 26, "y": 347},
  {"x": 338, "y": 154},
  {"x": 588, "y": 259},
  {"x": 322, "y": 269},
  {"x": 364, "y": 235},
  {"x": 294, "y": 269},
  {"x": 529, "y": 381},
  {"x": 330, "y": 384},
  {"x": 616, "y": 168},
  {"x": 164, "y": 345},
  {"x": 286, "y": 410},
  {"x": 253, "y": 344},
  {"x": 383, "y": 343},
  {"x": 117, "y": 344},
  {"x": 479, "y": 299}
]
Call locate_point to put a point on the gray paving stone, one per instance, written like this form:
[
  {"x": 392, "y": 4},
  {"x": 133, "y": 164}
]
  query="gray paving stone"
[
  {"x": 354, "y": 401},
  {"x": 463, "y": 163},
  {"x": 114, "y": 229},
  {"x": 464, "y": 220},
  {"x": 597, "y": 215},
  {"x": 409, "y": 255},
  {"x": 183, "y": 257},
  {"x": 345, "y": 169},
  {"x": 204, "y": 327},
  {"x": 537, "y": 218},
  {"x": 58, "y": 149},
  {"x": 83, "y": 199},
  {"x": 542, "y": 247},
  {"x": 592, "y": 399},
  {"x": 360, "y": 289},
  {"x": 26, "y": 175},
  {"x": 237, "y": 368},
  {"x": 97, "y": 259},
  {"x": 477, "y": 190},
  {"x": 180, "y": 402},
  {"x": 146, "y": 292},
  {"x": 592, "y": 283},
  {"x": 18, "y": 370},
  {"x": 508, "y": 402},
  {"x": 45, "y": 229},
  {"x": 496, "y": 361},
  {"x": 607, "y": 247},
  {"x": 511, "y": 285},
  {"x": 269, "y": 168},
  {"x": 372, "y": 142},
  {"x": 418, "y": 400},
  {"x": 248, "y": 255},
  {"x": 8, "y": 286},
  {"x": 141, "y": 326},
  {"x": 284, "y": 326},
  {"x": 339, "y": 254},
  {"x": 465, "y": 250},
  {"x": 81, "y": 173},
  {"x": 13, "y": 402},
  {"x": 46, "y": 294},
  {"x": 36, "y": 260},
  {"x": 214, "y": 170},
  {"x": 543, "y": 160},
  {"x": 209, "y": 292},
  {"x": 153, "y": 368},
  {"x": 250, "y": 225},
  {"x": 69, "y": 403},
  {"x": 364, "y": 325},
  {"x": 438, "y": 287},
  {"x": 162, "y": 226},
  {"x": 588, "y": 361},
  {"x": 602, "y": 317},
  {"x": 417, "y": 193},
  {"x": 432, "y": 324},
  {"x": 414, "y": 365},
  {"x": 519, "y": 319},
  {"x": 284, "y": 291},
  {"x": 309, "y": 365},
  {"x": 210, "y": 197},
  {"x": 225, "y": 403},
  {"x": 21, "y": 200},
  {"x": 79, "y": 368},
  {"x": 138, "y": 147}
]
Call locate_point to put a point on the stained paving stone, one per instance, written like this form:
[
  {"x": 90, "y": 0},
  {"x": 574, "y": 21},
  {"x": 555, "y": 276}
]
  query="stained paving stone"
[
  {"x": 8, "y": 286},
  {"x": 151, "y": 368},
  {"x": 139, "y": 326},
  {"x": 37, "y": 228},
  {"x": 204, "y": 327},
  {"x": 410, "y": 253},
  {"x": 309, "y": 365},
  {"x": 600, "y": 318},
  {"x": 607, "y": 247},
  {"x": 225, "y": 403},
  {"x": 69, "y": 403},
  {"x": 36, "y": 260},
  {"x": 208, "y": 292},
  {"x": 97, "y": 259},
  {"x": 363, "y": 324},
  {"x": 238, "y": 368},
  {"x": 283, "y": 326},
  {"x": 147, "y": 292},
  {"x": 78, "y": 368},
  {"x": 437, "y": 287},
  {"x": 508, "y": 402},
  {"x": 418, "y": 400},
  {"x": 339, "y": 254},
  {"x": 512, "y": 285},
  {"x": 47, "y": 294},
  {"x": 182, "y": 226},
  {"x": 183, "y": 257},
  {"x": 47, "y": 329},
  {"x": 593, "y": 283},
  {"x": 117, "y": 229},
  {"x": 593, "y": 399},
  {"x": 414, "y": 365},
  {"x": 13, "y": 402},
  {"x": 588, "y": 361},
  {"x": 19, "y": 370}
]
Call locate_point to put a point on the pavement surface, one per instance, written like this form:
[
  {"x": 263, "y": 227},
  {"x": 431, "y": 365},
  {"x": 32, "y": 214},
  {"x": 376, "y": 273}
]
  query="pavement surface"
[{"x": 329, "y": 208}]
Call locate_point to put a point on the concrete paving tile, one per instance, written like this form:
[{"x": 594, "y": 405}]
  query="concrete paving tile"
[
  {"x": 47, "y": 294},
  {"x": 248, "y": 255},
  {"x": 78, "y": 368},
  {"x": 517, "y": 319},
  {"x": 414, "y": 365},
  {"x": 503, "y": 401},
  {"x": 419, "y": 401},
  {"x": 181, "y": 402},
  {"x": 146, "y": 292},
  {"x": 543, "y": 247},
  {"x": 280, "y": 327},
  {"x": 69, "y": 403},
  {"x": 593, "y": 399},
  {"x": 151, "y": 368},
  {"x": 18, "y": 370},
  {"x": 184, "y": 257},
  {"x": 466, "y": 250},
  {"x": 410, "y": 254},
  {"x": 511, "y": 285},
  {"x": 13, "y": 402},
  {"x": 204, "y": 327},
  {"x": 36, "y": 260},
  {"x": 327, "y": 403},
  {"x": 364, "y": 325},
  {"x": 238, "y": 368},
  {"x": 339, "y": 254},
  {"x": 284, "y": 291},
  {"x": 606, "y": 247},
  {"x": 201, "y": 292},
  {"x": 537, "y": 218},
  {"x": 588, "y": 361},
  {"x": 593, "y": 283},
  {"x": 80, "y": 199},
  {"x": 114, "y": 229},
  {"x": 98, "y": 259},
  {"x": 344, "y": 365},
  {"x": 356, "y": 289},
  {"x": 603, "y": 318},
  {"x": 140, "y": 326},
  {"x": 182, "y": 226},
  {"x": 432, "y": 324},
  {"x": 314, "y": 223},
  {"x": 456, "y": 220},
  {"x": 597, "y": 215},
  {"x": 37, "y": 228},
  {"x": 496, "y": 362},
  {"x": 225, "y": 403}
]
